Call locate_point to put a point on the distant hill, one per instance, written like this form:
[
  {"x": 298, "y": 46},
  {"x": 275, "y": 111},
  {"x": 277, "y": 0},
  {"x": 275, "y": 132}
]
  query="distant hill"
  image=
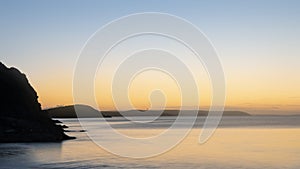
[
  {"x": 89, "y": 112},
  {"x": 69, "y": 112}
]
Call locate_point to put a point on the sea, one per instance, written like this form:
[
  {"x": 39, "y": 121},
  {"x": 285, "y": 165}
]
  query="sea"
[{"x": 270, "y": 142}]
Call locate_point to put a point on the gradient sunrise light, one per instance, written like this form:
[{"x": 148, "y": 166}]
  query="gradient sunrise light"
[{"x": 257, "y": 42}]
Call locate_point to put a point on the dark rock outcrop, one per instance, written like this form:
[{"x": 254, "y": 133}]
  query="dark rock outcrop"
[{"x": 21, "y": 117}]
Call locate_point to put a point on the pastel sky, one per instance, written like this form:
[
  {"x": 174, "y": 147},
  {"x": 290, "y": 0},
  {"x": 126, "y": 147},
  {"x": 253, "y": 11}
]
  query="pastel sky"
[{"x": 257, "y": 41}]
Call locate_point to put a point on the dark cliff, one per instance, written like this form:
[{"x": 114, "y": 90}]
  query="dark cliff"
[{"x": 21, "y": 117}]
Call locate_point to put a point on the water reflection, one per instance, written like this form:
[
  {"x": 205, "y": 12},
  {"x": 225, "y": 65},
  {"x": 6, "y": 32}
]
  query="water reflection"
[
  {"x": 230, "y": 147},
  {"x": 11, "y": 150},
  {"x": 27, "y": 155}
]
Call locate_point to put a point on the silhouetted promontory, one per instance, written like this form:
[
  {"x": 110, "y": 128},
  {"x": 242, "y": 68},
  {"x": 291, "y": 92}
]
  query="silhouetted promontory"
[
  {"x": 89, "y": 112},
  {"x": 21, "y": 117},
  {"x": 69, "y": 112}
]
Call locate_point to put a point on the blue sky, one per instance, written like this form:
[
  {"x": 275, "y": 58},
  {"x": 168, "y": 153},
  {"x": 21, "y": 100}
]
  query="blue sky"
[{"x": 255, "y": 39}]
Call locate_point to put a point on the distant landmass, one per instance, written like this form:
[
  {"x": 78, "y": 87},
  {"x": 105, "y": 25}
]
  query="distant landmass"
[
  {"x": 89, "y": 112},
  {"x": 170, "y": 113},
  {"x": 69, "y": 112},
  {"x": 21, "y": 117}
]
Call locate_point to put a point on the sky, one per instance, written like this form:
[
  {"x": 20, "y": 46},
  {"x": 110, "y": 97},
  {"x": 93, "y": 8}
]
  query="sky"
[{"x": 257, "y": 42}]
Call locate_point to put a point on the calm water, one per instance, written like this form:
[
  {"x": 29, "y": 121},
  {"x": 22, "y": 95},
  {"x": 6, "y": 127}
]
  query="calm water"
[{"x": 239, "y": 142}]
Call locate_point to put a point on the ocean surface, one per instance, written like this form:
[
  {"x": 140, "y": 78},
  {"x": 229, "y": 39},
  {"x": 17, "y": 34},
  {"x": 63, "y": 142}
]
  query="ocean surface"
[{"x": 238, "y": 142}]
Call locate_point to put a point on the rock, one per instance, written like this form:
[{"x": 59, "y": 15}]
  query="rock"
[{"x": 21, "y": 117}]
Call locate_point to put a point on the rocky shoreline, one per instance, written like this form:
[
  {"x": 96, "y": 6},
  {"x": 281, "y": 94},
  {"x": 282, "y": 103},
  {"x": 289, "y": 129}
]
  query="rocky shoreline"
[{"x": 21, "y": 116}]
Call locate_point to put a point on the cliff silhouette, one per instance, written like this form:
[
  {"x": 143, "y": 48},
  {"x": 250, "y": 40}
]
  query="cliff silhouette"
[{"x": 21, "y": 116}]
